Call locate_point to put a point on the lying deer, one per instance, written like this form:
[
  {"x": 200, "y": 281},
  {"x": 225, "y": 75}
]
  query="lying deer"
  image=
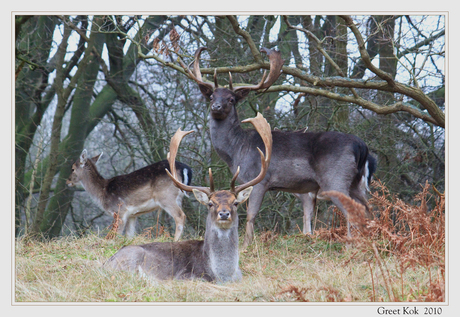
[
  {"x": 304, "y": 163},
  {"x": 131, "y": 195},
  {"x": 216, "y": 257}
]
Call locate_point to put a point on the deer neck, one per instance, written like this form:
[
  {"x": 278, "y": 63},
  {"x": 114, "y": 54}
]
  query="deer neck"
[
  {"x": 227, "y": 137},
  {"x": 94, "y": 184},
  {"x": 221, "y": 248}
]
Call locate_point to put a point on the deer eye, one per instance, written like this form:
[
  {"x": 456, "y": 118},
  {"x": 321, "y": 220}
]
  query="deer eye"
[
  {"x": 210, "y": 204},
  {"x": 235, "y": 203},
  {"x": 232, "y": 100}
]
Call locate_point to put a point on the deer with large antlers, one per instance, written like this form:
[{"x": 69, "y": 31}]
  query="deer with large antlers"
[
  {"x": 131, "y": 195},
  {"x": 216, "y": 257},
  {"x": 304, "y": 163}
]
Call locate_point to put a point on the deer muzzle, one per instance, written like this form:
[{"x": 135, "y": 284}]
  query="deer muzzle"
[
  {"x": 224, "y": 215},
  {"x": 216, "y": 106}
]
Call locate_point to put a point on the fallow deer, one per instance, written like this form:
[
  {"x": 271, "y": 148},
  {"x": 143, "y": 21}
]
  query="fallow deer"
[
  {"x": 216, "y": 257},
  {"x": 303, "y": 163},
  {"x": 131, "y": 195}
]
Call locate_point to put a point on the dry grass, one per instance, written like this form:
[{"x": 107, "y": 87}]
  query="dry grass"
[{"x": 396, "y": 256}]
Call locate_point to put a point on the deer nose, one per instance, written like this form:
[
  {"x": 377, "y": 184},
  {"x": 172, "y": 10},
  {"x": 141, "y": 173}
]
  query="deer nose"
[
  {"x": 224, "y": 215},
  {"x": 216, "y": 107}
]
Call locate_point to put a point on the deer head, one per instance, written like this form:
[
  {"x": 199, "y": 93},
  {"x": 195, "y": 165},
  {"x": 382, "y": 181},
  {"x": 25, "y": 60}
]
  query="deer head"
[
  {"x": 81, "y": 167},
  {"x": 222, "y": 100},
  {"x": 222, "y": 204}
]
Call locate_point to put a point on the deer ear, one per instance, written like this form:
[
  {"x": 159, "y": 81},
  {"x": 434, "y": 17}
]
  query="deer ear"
[
  {"x": 83, "y": 157},
  {"x": 201, "y": 197},
  {"x": 206, "y": 90},
  {"x": 244, "y": 195},
  {"x": 242, "y": 93},
  {"x": 96, "y": 158}
]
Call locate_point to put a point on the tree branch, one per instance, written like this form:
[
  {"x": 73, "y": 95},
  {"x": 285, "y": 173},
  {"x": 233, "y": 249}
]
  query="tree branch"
[
  {"x": 427, "y": 41},
  {"x": 363, "y": 52},
  {"x": 252, "y": 46},
  {"x": 384, "y": 110},
  {"x": 319, "y": 47}
]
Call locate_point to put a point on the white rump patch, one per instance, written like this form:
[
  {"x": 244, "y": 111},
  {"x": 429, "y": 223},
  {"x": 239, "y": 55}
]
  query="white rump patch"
[
  {"x": 185, "y": 181},
  {"x": 185, "y": 176},
  {"x": 364, "y": 183}
]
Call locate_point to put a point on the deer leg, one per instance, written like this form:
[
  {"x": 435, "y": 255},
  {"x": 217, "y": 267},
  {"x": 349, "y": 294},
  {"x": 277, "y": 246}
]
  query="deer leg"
[
  {"x": 130, "y": 226},
  {"x": 359, "y": 195},
  {"x": 339, "y": 205},
  {"x": 254, "y": 203},
  {"x": 308, "y": 204},
  {"x": 175, "y": 211},
  {"x": 119, "y": 223}
]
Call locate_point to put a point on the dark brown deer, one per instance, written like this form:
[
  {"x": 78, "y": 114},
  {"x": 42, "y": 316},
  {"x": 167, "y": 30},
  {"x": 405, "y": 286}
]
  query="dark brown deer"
[
  {"x": 303, "y": 163},
  {"x": 216, "y": 257},
  {"x": 131, "y": 195}
]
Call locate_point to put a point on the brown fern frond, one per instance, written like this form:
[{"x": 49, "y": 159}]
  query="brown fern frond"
[
  {"x": 299, "y": 292},
  {"x": 114, "y": 226}
]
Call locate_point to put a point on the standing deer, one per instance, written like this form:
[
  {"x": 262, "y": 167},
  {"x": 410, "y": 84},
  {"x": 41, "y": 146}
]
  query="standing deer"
[
  {"x": 303, "y": 163},
  {"x": 216, "y": 257},
  {"x": 131, "y": 195}
]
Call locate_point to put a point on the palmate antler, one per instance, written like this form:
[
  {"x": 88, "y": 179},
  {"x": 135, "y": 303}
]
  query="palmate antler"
[
  {"x": 262, "y": 127},
  {"x": 276, "y": 63},
  {"x": 196, "y": 74},
  {"x": 173, "y": 147}
]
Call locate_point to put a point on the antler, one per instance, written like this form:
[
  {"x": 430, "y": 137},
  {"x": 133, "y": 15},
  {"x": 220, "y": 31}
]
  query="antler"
[
  {"x": 276, "y": 63},
  {"x": 173, "y": 147},
  {"x": 196, "y": 74},
  {"x": 263, "y": 127}
]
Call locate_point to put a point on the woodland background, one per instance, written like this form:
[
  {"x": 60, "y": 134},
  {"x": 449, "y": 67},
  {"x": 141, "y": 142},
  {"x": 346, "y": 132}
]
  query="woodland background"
[{"x": 113, "y": 84}]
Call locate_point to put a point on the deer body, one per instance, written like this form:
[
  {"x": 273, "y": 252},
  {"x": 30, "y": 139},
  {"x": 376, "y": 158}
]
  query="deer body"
[
  {"x": 308, "y": 158},
  {"x": 131, "y": 195},
  {"x": 303, "y": 163},
  {"x": 216, "y": 257},
  {"x": 213, "y": 259}
]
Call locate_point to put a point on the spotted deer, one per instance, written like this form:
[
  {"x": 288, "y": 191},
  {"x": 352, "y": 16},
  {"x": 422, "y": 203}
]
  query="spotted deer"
[
  {"x": 216, "y": 257},
  {"x": 129, "y": 196},
  {"x": 304, "y": 163}
]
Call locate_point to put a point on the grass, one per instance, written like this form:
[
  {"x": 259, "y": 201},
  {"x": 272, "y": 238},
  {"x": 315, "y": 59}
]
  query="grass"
[{"x": 396, "y": 257}]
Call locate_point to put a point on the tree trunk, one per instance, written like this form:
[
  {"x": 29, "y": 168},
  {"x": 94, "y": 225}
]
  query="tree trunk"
[
  {"x": 50, "y": 221},
  {"x": 29, "y": 104},
  {"x": 56, "y": 128}
]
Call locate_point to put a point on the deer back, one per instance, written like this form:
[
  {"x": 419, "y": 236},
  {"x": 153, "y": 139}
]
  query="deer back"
[
  {"x": 152, "y": 176},
  {"x": 140, "y": 185}
]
